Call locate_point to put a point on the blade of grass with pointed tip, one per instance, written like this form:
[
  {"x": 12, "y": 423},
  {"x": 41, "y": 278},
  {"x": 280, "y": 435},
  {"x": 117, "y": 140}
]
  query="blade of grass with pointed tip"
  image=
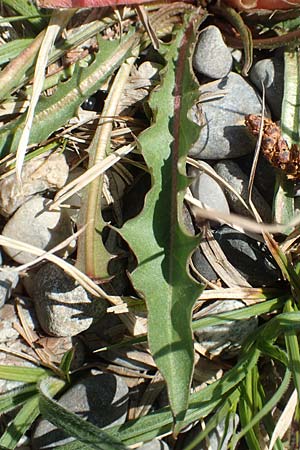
[
  {"x": 26, "y": 416},
  {"x": 156, "y": 236},
  {"x": 22, "y": 374},
  {"x": 73, "y": 425},
  {"x": 16, "y": 397}
]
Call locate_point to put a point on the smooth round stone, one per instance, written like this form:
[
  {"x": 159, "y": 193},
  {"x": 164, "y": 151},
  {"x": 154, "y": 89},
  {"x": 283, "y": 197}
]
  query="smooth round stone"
[
  {"x": 223, "y": 134},
  {"x": 101, "y": 399},
  {"x": 203, "y": 266},
  {"x": 226, "y": 338},
  {"x": 63, "y": 307},
  {"x": 208, "y": 191},
  {"x": 270, "y": 73},
  {"x": 238, "y": 180},
  {"x": 250, "y": 257},
  {"x": 33, "y": 224},
  {"x": 212, "y": 57}
]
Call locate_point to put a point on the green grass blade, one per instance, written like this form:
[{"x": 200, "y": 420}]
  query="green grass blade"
[
  {"x": 28, "y": 9},
  {"x": 17, "y": 396},
  {"x": 22, "y": 374},
  {"x": 225, "y": 411},
  {"x": 73, "y": 425},
  {"x": 292, "y": 345},
  {"x": 22, "y": 422},
  {"x": 12, "y": 49},
  {"x": 26, "y": 416},
  {"x": 266, "y": 408}
]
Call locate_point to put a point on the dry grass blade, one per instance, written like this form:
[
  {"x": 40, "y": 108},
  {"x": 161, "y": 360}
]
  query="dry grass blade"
[
  {"x": 58, "y": 20},
  {"x": 90, "y": 175},
  {"x": 285, "y": 419},
  {"x": 237, "y": 221},
  {"x": 152, "y": 391},
  {"x": 81, "y": 278},
  {"x": 249, "y": 295},
  {"x": 21, "y": 355},
  {"x": 144, "y": 18},
  {"x": 256, "y": 153}
]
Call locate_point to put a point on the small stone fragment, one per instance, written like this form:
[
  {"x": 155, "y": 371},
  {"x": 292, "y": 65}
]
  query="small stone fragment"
[
  {"x": 224, "y": 134},
  {"x": 212, "y": 57},
  {"x": 101, "y": 399},
  {"x": 63, "y": 307},
  {"x": 38, "y": 175},
  {"x": 8, "y": 281},
  {"x": 270, "y": 73},
  {"x": 33, "y": 224}
]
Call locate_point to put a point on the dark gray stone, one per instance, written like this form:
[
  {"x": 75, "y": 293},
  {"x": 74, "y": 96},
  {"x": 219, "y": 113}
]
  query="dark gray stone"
[
  {"x": 270, "y": 73},
  {"x": 101, "y": 399},
  {"x": 238, "y": 180},
  {"x": 203, "y": 266},
  {"x": 224, "y": 134},
  {"x": 63, "y": 307},
  {"x": 250, "y": 257},
  {"x": 212, "y": 57},
  {"x": 226, "y": 338}
]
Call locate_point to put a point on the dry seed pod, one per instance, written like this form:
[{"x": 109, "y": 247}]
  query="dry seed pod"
[{"x": 274, "y": 147}]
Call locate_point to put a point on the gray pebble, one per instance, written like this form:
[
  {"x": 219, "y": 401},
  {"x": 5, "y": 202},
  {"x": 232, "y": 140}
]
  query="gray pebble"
[
  {"x": 203, "y": 266},
  {"x": 231, "y": 172},
  {"x": 270, "y": 73},
  {"x": 101, "y": 399},
  {"x": 208, "y": 191},
  {"x": 224, "y": 134},
  {"x": 226, "y": 338},
  {"x": 8, "y": 281},
  {"x": 250, "y": 257},
  {"x": 212, "y": 57},
  {"x": 63, "y": 307},
  {"x": 33, "y": 224}
]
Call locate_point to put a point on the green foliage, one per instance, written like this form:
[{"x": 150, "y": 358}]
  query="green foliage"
[
  {"x": 27, "y": 9},
  {"x": 157, "y": 236},
  {"x": 53, "y": 112}
]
